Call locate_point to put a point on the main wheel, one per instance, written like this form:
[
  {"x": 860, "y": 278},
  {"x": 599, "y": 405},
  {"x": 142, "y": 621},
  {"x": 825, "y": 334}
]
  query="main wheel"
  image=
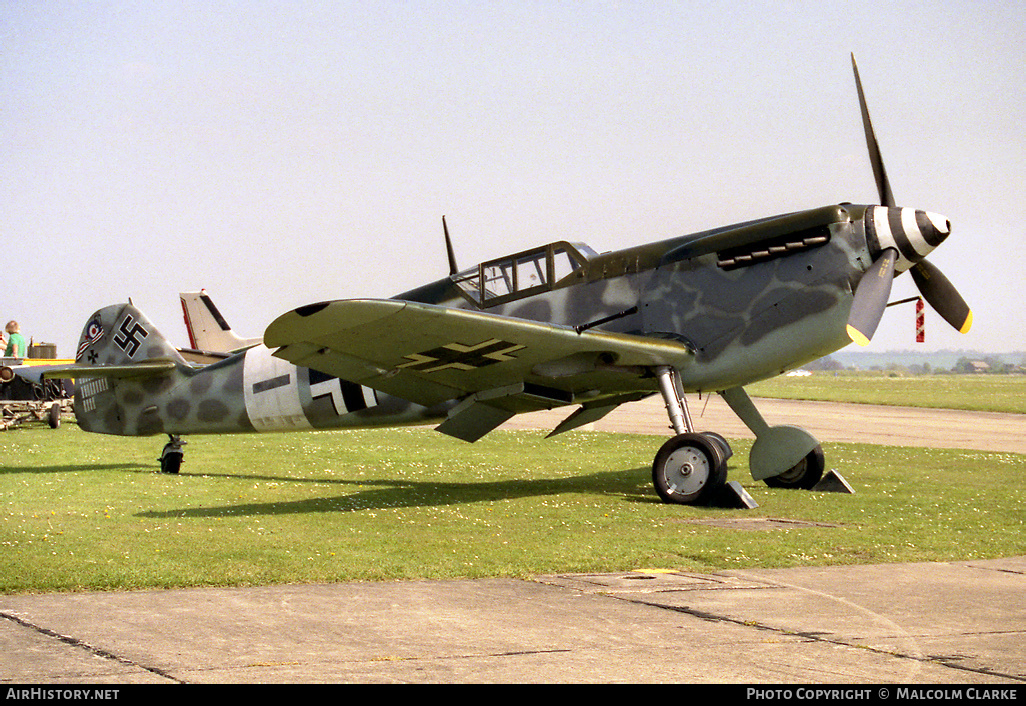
[
  {"x": 725, "y": 451},
  {"x": 803, "y": 475},
  {"x": 688, "y": 470}
]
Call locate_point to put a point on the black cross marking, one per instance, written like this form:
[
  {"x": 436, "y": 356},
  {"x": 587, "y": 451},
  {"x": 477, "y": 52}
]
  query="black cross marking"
[
  {"x": 127, "y": 338},
  {"x": 345, "y": 396},
  {"x": 459, "y": 356}
]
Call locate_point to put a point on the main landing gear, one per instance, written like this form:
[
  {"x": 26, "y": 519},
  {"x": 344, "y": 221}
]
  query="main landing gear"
[
  {"x": 782, "y": 456},
  {"x": 172, "y": 455},
  {"x": 691, "y": 468}
]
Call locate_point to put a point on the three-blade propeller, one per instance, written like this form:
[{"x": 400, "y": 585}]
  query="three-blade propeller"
[{"x": 874, "y": 288}]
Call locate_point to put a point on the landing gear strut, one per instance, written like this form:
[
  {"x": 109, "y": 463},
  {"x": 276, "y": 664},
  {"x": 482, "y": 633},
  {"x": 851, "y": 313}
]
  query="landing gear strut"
[
  {"x": 172, "y": 455},
  {"x": 690, "y": 468},
  {"x": 782, "y": 456}
]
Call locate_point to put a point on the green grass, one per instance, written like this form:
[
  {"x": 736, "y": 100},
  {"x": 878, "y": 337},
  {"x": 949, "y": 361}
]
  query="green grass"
[
  {"x": 984, "y": 393},
  {"x": 81, "y": 511}
]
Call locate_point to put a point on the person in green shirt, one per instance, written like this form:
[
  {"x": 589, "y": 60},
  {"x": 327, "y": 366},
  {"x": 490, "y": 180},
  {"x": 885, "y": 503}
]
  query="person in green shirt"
[{"x": 15, "y": 341}]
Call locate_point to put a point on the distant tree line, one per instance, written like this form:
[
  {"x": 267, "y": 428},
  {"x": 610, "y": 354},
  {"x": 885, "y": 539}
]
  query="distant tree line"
[
  {"x": 827, "y": 363},
  {"x": 964, "y": 365},
  {"x": 986, "y": 364}
]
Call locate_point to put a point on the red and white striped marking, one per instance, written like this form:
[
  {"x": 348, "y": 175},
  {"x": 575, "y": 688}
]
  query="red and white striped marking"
[{"x": 920, "y": 321}]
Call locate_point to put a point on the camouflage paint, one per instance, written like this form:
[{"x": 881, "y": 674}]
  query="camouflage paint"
[
  {"x": 745, "y": 323},
  {"x": 249, "y": 391},
  {"x": 751, "y": 301}
]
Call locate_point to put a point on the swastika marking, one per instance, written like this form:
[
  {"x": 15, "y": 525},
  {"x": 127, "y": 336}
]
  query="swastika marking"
[{"x": 130, "y": 336}]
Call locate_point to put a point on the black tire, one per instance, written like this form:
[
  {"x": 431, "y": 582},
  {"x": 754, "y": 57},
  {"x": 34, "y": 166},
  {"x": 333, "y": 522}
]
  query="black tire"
[
  {"x": 53, "y": 417},
  {"x": 803, "y": 475},
  {"x": 171, "y": 462},
  {"x": 689, "y": 469},
  {"x": 725, "y": 451}
]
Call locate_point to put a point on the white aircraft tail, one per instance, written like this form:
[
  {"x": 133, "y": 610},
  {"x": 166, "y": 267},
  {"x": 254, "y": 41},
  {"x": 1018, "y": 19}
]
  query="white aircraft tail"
[{"x": 208, "y": 331}]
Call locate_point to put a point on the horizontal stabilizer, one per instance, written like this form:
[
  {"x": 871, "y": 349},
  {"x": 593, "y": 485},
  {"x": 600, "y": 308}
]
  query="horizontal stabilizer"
[{"x": 154, "y": 366}]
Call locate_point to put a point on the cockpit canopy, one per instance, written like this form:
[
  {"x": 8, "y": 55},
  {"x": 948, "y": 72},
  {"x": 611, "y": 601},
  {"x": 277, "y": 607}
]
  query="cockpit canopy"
[{"x": 515, "y": 276}]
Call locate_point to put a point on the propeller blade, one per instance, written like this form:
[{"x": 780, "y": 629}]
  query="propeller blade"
[
  {"x": 942, "y": 296},
  {"x": 871, "y": 298},
  {"x": 883, "y": 186}
]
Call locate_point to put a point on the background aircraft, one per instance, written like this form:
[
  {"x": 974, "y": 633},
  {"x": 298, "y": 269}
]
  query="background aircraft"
[
  {"x": 210, "y": 337},
  {"x": 557, "y": 325}
]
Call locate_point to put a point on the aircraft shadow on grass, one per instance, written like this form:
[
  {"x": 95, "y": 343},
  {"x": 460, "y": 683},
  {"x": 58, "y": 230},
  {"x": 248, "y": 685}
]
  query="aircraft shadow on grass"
[
  {"x": 385, "y": 493},
  {"x": 75, "y": 468}
]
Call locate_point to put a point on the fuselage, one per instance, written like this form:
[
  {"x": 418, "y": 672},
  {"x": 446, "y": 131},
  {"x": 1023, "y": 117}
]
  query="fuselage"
[
  {"x": 749, "y": 312},
  {"x": 250, "y": 391}
]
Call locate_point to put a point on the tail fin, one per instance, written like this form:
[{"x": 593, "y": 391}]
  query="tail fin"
[
  {"x": 122, "y": 364},
  {"x": 122, "y": 335},
  {"x": 208, "y": 331}
]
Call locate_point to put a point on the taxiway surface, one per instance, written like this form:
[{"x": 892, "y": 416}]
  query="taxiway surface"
[
  {"x": 938, "y": 623},
  {"x": 827, "y": 421}
]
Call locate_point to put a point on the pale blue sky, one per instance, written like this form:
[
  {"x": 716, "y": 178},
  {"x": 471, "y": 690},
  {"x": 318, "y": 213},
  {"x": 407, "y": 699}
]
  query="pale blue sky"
[{"x": 279, "y": 154}]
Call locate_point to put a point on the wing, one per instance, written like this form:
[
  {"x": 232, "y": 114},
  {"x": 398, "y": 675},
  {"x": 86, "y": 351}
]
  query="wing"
[{"x": 494, "y": 366}]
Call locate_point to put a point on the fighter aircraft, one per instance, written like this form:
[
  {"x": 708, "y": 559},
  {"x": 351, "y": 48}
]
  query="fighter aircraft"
[{"x": 558, "y": 325}]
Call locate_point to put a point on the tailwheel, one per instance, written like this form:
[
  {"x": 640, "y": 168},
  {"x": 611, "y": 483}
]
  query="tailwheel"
[
  {"x": 689, "y": 469},
  {"x": 171, "y": 462},
  {"x": 803, "y": 475},
  {"x": 53, "y": 417},
  {"x": 172, "y": 456}
]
